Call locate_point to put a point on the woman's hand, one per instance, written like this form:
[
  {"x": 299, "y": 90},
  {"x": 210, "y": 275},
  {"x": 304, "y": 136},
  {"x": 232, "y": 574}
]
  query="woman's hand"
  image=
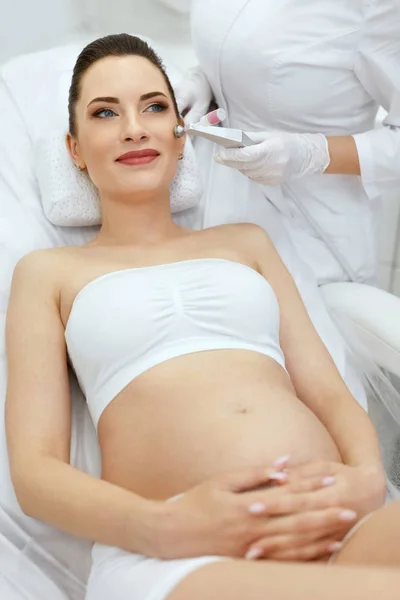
[
  {"x": 310, "y": 525},
  {"x": 278, "y": 156},
  {"x": 221, "y": 516},
  {"x": 212, "y": 518},
  {"x": 361, "y": 488},
  {"x": 193, "y": 95}
]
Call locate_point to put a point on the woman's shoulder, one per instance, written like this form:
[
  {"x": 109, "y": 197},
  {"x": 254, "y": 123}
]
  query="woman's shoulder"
[
  {"x": 39, "y": 261},
  {"x": 241, "y": 235},
  {"x": 43, "y": 268}
]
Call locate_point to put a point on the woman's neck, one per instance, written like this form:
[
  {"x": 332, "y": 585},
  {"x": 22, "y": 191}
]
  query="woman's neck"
[{"x": 144, "y": 221}]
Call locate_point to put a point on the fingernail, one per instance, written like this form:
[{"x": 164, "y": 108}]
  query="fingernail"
[
  {"x": 279, "y": 476},
  {"x": 281, "y": 461},
  {"x": 254, "y": 553},
  {"x": 335, "y": 547},
  {"x": 329, "y": 480},
  {"x": 347, "y": 515},
  {"x": 257, "y": 508}
]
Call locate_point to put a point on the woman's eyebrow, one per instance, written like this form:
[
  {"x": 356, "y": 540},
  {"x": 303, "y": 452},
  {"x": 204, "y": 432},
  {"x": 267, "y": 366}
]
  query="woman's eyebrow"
[
  {"x": 151, "y": 95},
  {"x": 108, "y": 99},
  {"x": 113, "y": 100}
]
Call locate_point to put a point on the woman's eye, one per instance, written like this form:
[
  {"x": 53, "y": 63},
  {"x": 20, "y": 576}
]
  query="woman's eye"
[
  {"x": 104, "y": 113},
  {"x": 157, "y": 107}
]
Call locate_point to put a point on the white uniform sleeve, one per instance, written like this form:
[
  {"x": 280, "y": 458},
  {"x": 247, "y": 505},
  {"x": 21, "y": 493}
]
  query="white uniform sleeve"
[{"x": 377, "y": 66}]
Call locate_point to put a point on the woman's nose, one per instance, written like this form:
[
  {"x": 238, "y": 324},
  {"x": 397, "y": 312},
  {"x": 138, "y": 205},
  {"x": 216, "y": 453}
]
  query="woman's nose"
[{"x": 132, "y": 129}]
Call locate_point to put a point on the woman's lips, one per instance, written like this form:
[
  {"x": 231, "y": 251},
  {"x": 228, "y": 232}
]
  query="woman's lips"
[
  {"x": 140, "y": 160},
  {"x": 138, "y": 157}
]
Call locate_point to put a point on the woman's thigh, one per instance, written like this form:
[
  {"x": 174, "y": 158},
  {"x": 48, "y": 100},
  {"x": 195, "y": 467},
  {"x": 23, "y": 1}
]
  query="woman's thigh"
[
  {"x": 353, "y": 576},
  {"x": 244, "y": 580},
  {"x": 376, "y": 542}
]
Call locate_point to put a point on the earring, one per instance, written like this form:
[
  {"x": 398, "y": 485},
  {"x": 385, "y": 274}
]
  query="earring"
[
  {"x": 181, "y": 157},
  {"x": 179, "y": 131}
]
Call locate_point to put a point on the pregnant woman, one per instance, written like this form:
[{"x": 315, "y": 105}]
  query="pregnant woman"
[{"x": 202, "y": 372}]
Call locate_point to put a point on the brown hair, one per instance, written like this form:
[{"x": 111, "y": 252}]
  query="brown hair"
[{"x": 121, "y": 44}]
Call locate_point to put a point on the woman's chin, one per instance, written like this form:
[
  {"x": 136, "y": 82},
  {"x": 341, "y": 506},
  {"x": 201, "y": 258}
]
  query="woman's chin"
[
  {"x": 140, "y": 187},
  {"x": 137, "y": 183}
]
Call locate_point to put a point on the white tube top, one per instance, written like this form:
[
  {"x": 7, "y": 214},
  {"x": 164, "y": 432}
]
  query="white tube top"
[{"x": 125, "y": 322}]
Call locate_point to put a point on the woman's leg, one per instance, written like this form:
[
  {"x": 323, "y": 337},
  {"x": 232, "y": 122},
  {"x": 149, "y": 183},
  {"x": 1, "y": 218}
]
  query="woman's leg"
[
  {"x": 374, "y": 543},
  {"x": 241, "y": 580}
]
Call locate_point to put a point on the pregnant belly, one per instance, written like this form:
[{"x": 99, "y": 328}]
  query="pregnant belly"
[{"x": 160, "y": 438}]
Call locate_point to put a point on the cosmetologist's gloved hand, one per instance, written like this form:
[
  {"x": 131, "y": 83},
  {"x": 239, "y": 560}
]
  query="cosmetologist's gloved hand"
[
  {"x": 278, "y": 156},
  {"x": 193, "y": 95}
]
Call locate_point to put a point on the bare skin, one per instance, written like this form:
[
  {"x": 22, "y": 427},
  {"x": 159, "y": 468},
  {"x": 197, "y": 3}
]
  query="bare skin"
[{"x": 344, "y": 156}]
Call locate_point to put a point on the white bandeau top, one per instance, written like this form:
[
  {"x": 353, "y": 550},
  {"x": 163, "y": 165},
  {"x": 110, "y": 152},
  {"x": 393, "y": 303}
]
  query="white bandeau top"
[{"x": 125, "y": 322}]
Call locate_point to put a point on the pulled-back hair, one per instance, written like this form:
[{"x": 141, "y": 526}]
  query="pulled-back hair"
[{"x": 121, "y": 44}]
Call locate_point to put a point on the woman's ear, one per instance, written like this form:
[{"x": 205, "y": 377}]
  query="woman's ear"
[{"x": 73, "y": 149}]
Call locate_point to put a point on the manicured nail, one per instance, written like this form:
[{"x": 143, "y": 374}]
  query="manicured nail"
[
  {"x": 254, "y": 553},
  {"x": 280, "y": 462},
  {"x": 258, "y": 508},
  {"x": 335, "y": 547},
  {"x": 329, "y": 480},
  {"x": 279, "y": 476},
  {"x": 347, "y": 515}
]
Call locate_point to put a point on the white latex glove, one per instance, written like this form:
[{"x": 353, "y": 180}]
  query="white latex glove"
[
  {"x": 193, "y": 94},
  {"x": 278, "y": 157}
]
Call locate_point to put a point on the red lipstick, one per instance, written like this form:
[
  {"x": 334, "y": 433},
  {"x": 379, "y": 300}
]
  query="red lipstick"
[{"x": 138, "y": 157}]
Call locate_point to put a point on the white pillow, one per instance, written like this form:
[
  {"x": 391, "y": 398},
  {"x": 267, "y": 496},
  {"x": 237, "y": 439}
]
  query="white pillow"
[{"x": 70, "y": 199}]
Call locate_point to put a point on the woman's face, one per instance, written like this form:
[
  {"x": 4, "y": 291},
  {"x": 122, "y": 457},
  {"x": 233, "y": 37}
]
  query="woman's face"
[{"x": 125, "y": 107}]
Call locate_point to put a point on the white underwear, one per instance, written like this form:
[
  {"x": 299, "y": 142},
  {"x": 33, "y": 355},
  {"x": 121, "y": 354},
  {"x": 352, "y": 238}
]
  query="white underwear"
[
  {"x": 123, "y": 575},
  {"x": 120, "y": 575}
]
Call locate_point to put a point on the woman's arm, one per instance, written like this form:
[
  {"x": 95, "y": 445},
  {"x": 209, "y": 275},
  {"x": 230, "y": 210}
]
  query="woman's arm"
[
  {"x": 360, "y": 483},
  {"x": 38, "y": 424},
  {"x": 343, "y": 154},
  {"x": 314, "y": 375}
]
